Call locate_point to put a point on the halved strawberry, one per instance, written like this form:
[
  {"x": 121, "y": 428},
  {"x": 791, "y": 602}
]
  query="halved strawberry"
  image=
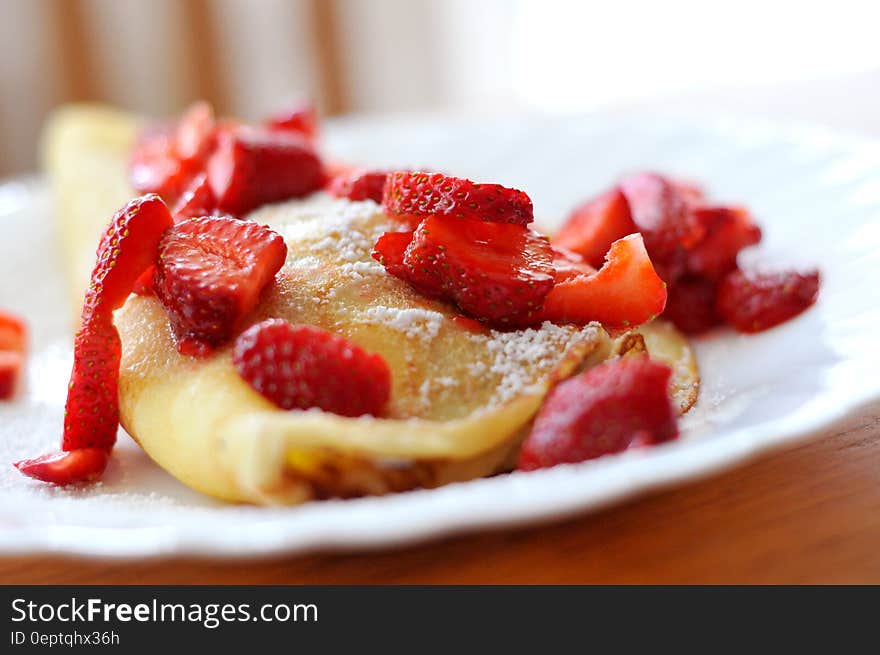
[
  {"x": 91, "y": 414},
  {"x": 359, "y": 185},
  {"x": 66, "y": 467},
  {"x": 301, "y": 118},
  {"x": 254, "y": 166},
  {"x": 434, "y": 194},
  {"x": 662, "y": 215},
  {"x": 301, "y": 366},
  {"x": 498, "y": 272},
  {"x": 752, "y": 302},
  {"x": 593, "y": 226},
  {"x": 691, "y": 304},
  {"x": 11, "y": 365},
  {"x": 727, "y": 231},
  {"x": 604, "y": 410},
  {"x": 197, "y": 200},
  {"x": 389, "y": 251},
  {"x": 210, "y": 274},
  {"x": 13, "y": 333},
  {"x": 624, "y": 293}
]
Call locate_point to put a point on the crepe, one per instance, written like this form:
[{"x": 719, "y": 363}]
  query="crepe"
[{"x": 462, "y": 397}]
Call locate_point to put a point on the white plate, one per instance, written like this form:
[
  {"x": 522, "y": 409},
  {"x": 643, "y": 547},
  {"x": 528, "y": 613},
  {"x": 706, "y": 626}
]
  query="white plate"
[{"x": 816, "y": 194}]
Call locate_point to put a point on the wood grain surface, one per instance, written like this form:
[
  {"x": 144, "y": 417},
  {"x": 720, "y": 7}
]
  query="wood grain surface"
[{"x": 807, "y": 515}]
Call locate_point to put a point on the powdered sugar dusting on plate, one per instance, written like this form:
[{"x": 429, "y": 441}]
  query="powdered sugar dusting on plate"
[{"x": 413, "y": 322}]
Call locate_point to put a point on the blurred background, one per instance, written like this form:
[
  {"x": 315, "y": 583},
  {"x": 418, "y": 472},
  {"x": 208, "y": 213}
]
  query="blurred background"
[{"x": 790, "y": 60}]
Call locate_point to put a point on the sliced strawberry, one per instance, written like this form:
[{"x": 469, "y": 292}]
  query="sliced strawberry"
[
  {"x": 727, "y": 231},
  {"x": 128, "y": 248},
  {"x": 91, "y": 414},
  {"x": 389, "y": 251},
  {"x": 71, "y": 467},
  {"x": 595, "y": 225},
  {"x": 497, "y": 272},
  {"x": 210, "y": 274},
  {"x": 691, "y": 305},
  {"x": 301, "y": 118},
  {"x": 197, "y": 200},
  {"x": 155, "y": 167},
  {"x": 624, "y": 293},
  {"x": 752, "y": 302},
  {"x": 300, "y": 367},
  {"x": 13, "y": 333},
  {"x": 11, "y": 365},
  {"x": 568, "y": 265},
  {"x": 661, "y": 214},
  {"x": 254, "y": 166},
  {"x": 435, "y": 194},
  {"x": 167, "y": 157},
  {"x": 604, "y": 410},
  {"x": 359, "y": 185},
  {"x": 196, "y": 133}
]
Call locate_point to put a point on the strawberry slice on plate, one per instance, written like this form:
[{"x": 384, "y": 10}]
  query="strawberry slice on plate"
[
  {"x": 210, "y": 274},
  {"x": 254, "y": 166},
  {"x": 625, "y": 292},
  {"x": 595, "y": 225},
  {"x": 81, "y": 465},
  {"x": 13, "y": 333},
  {"x": 497, "y": 272},
  {"x": 753, "y": 302},
  {"x": 11, "y": 365},
  {"x": 604, "y": 410},
  {"x": 91, "y": 415},
  {"x": 302, "y": 366},
  {"x": 197, "y": 200},
  {"x": 419, "y": 194}
]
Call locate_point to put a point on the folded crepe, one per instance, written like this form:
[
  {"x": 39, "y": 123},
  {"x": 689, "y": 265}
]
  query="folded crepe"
[{"x": 463, "y": 396}]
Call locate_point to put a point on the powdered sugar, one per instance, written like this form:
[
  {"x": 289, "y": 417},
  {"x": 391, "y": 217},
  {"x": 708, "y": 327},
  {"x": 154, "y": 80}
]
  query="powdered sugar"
[
  {"x": 413, "y": 322},
  {"x": 516, "y": 356}
]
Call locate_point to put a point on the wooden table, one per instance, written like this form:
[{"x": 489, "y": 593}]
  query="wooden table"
[{"x": 808, "y": 515}]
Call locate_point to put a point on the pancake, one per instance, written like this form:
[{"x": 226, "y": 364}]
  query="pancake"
[{"x": 463, "y": 395}]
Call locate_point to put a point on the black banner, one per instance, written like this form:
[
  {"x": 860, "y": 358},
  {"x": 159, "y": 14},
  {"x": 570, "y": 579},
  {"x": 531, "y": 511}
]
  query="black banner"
[{"x": 412, "y": 619}]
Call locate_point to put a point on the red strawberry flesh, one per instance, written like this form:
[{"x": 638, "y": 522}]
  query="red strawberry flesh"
[
  {"x": 497, "y": 272},
  {"x": 753, "y": 302},
  {"x": 210, "y": 274},
  {"x": 66, "y": 467},
  {"x": 434, "y": 194},
  {"x": 625, "y": 292},
  {"x": 602, "y": 411},
  {"x": 300, "y": 367},
  {"x": 91, "y": 414},
  {"x": 11, "y": 364},
  {"x": 13, "y": 333},
  {"x": 359, "y": 185},
  {"x": 595, "y": 225},
  {"x": 254, "y": 166},
  {"x": 301, "y": 118},
  {"x": 727, "y": 231},
  {"x": 691, "y": 305}
]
